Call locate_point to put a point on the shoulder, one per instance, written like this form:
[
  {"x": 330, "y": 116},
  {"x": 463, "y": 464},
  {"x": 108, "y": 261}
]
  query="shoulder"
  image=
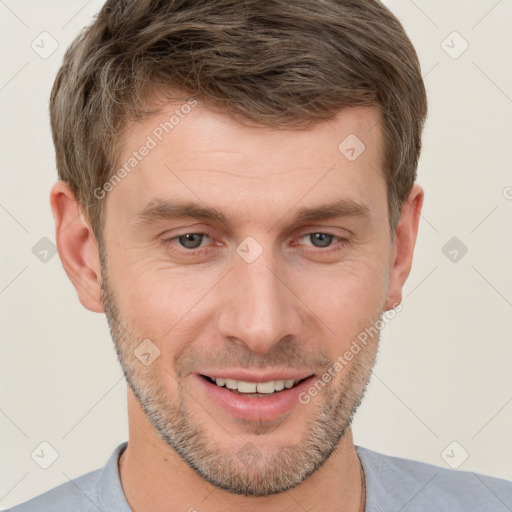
[
  {"x": 100, "y": 489},
  {"x": 78, "y": 495},
  {"x": 403, "y": 483}
]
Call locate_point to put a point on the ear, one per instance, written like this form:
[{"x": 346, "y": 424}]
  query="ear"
[
  {"x": 403, "y": 246},
  {"x": 77, "y": 246}
]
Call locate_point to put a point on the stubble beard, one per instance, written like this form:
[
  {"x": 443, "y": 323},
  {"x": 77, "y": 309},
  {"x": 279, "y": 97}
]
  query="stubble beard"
[{"x": 253, "y": 469}]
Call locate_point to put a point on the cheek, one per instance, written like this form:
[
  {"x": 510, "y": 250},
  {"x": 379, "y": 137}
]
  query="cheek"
[
  {"x": 160, "y": 303},
  {"x": 347, "y": 299}
]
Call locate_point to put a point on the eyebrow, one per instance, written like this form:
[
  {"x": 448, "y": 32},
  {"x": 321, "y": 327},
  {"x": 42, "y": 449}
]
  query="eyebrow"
[{"x": 160, "y": 209}]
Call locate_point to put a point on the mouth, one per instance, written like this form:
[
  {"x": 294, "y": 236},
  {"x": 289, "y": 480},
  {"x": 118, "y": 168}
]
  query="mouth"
[
  {"x": 254, "y": 401},
  {"x": 254, "y": 389}
]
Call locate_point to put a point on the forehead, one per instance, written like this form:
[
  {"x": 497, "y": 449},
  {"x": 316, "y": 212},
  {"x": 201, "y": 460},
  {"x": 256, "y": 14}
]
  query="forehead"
[{"x": 200, "y": 155}]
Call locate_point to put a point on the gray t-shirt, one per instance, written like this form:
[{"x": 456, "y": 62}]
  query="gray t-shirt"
[{"x": 392, "y": 485}]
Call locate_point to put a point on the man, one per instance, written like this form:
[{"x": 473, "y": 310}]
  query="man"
[{"x": 237, "y": 194}]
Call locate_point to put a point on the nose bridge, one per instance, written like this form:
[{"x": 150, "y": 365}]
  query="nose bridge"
[{"x": 259, "y": 309}]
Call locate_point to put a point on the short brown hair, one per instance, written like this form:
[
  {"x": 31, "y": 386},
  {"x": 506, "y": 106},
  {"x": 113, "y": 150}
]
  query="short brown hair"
[{"x": 279, "y": 63}]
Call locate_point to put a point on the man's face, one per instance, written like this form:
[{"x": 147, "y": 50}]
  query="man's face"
[{"x": 258, "y": 296}]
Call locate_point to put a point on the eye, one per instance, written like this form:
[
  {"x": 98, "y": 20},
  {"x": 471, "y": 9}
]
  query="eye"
[
  {"x": 192, "y": 243},
  {"x": 187, "y": 241},
  {"x": 322, "y": 240},
  {"x": 191, "y": 240}
]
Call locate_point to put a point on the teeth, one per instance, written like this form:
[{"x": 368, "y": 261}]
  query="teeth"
[
  {"x": 231, "y": 384},
  {"x": 267, "y": 387},
  {"x": 253, "y": 387},
  {"x": 279, "y": 385},
  {"x": 247, "y": 387}
]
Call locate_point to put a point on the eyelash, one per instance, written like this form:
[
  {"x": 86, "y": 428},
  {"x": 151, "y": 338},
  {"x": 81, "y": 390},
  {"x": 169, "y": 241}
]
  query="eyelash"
[{"x": 200, "y": 251}]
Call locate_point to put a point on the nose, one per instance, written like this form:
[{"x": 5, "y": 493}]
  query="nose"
[{"x": 259, "y": 307}]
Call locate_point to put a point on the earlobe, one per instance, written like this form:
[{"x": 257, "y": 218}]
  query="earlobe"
[
  {"x": 77, "y": 246},
  {"x": 403, "y": 246}
]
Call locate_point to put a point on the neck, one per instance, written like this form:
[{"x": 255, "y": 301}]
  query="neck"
[{"x": 153, "y": 476}]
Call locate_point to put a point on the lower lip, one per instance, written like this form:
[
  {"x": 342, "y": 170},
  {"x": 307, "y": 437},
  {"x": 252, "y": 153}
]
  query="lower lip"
[{"x": 255, "y": 408}]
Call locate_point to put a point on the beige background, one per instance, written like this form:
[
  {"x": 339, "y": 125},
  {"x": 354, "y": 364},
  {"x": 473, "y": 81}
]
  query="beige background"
[{"x": 444, "y": 370}]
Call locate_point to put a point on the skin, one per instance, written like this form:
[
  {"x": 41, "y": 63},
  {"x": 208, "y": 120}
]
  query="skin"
[{"x": 299, "y": 304}]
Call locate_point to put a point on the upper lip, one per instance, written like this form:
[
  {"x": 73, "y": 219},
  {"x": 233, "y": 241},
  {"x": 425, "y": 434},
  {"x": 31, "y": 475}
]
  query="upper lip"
[{"x": 251, "y": 376}]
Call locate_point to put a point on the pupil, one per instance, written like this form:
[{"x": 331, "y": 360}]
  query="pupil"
[{"x": 323, "y": 238}]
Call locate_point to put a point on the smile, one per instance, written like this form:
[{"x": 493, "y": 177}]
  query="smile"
[
  {"x": 253, "y": 401},
  {"x": 254, "y": 388}
]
